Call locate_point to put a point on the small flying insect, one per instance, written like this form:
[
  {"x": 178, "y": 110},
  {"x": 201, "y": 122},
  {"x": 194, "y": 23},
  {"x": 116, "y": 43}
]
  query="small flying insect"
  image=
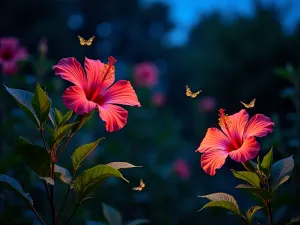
[
  {"x": 250, "y": 105},
  {"x": 88, "y": 42},
  {"x": 141, "y": 187},
  {"x": 191, "y": 94}
]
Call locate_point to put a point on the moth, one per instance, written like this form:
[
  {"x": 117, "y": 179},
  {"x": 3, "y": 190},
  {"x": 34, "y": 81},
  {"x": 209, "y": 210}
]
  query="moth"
[
  {"x": 191, "y": 94},
  {"x": 141, "y": 187},
  {"x": 88, "y": 42},
  {"x": 250, "y": 105}
]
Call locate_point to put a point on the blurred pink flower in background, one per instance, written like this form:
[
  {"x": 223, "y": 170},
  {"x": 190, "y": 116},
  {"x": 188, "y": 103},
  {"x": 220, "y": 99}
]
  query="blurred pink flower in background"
[
  {"x": 145, "y": 74},
  {"x": 207, "y": 104},
  {"x": 43, "y": 47},
  {"x": 182, "y": 169},
  {"x": 158, "y": 99},
  {"x": 10, "y": 53}
]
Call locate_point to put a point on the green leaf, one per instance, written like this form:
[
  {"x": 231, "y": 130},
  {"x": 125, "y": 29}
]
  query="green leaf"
[
  {"x": 41, "y": 104},
  {"x": 280, "y": 169},
  {"x": 251, "y": 212},
  {"x": 52, "y": 117},
  {"x": 66, "y": 117},
  {"x": 58, "y": 116},
  {"x": 59, "y": 134},
  {"x": 35, "y": 156},
  {"x": 283, "y": 180},
  {"x": 83, "y": 151},
  {"x": 138, "y": 221},
  {"x": 121, "y": 165},
  {"x": 12, "y": 184},
  {"x": 63, "y": 174},
  {"x": 23, "y": 99},
  {"x": 91, "y": 178},
  {"x": 250, "y": 177},
  {"x": 266, "y": 163},
  {"x": 222, "y": 200},
  {"x": 112, "y": 215},
  {"x": 261, "y": 193},
  {"x": 49, "y": 180},
  {"x": 81, "y": 120}
]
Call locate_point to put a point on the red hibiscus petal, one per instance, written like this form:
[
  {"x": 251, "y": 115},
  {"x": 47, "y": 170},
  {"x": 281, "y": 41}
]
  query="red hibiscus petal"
[
  {"x": 71, "y": 70},
  {"x": 237, "y": 123},
  {"x": 214, "y": 139},
  {"x": 249, "y": 150},
  {"x": 95, "y": 69},
  {"x": 121, "y": 93},
  {"x": 115, "y": 117},
  {"x": 74, "y": 98},
  {"x": 212, "y": 160},
  {"x": 258, "y": 126}
]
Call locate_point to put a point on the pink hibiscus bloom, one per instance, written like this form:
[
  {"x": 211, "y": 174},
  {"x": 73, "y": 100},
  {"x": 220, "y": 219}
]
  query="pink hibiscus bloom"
[
  {"x": 237, "y": 139},
  {"x": 145, "y": 74},
  {"x": 182, "y": 169},
  {"x": 94, "y": 90},
  {"x": 10, "y": 54}
]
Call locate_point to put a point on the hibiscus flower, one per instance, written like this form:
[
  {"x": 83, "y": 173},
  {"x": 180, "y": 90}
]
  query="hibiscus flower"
[
  {"x": 10, "y": 53},
  {"x": 94, "y": 89},
  {"x": 146, "y": 74},
  {"x": 236, "y": 139}
]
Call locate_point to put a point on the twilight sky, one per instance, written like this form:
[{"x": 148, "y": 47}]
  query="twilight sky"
[{"x": 186, "y": 12}]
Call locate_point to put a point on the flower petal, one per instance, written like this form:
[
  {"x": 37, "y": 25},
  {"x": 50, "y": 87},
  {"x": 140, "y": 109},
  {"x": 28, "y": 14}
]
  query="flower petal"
[
  {"x": 74, "y": 98},
  {"x": 21, "y": 54},
  {"x": 249, "y": 150},
  {"x": 214, "y": 139},
  {"x": 258, "y": 126},
  {"x": 95, "y": 69},
  {"x": 121, "y": 93},
  {"x": 212, "y": 160},
  {"x": 115, "y": 117},
  {"x": 237, "y": 125},
  {"x": 9, "y": 68},
  {"x": 9, "y": 43},
  {"x": 71, "y": 70}
]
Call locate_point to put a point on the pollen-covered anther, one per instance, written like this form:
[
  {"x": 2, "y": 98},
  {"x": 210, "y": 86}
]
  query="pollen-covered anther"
[
  {"x": 224, "y": 121},
  {"x": 109, "y": 69}
]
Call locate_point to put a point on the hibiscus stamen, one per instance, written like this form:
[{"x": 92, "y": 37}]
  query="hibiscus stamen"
[
  {"x": 224, "y": 121},
  {"x": 108, "y": 68}
]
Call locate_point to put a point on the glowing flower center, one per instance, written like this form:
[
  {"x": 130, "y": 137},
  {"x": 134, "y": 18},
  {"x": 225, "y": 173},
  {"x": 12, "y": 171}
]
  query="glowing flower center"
[
  {"x": 108, "y": 72},
  {"x": 224, "y": 121}
]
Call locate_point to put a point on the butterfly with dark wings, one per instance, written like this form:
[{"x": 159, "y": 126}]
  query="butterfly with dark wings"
[
  {"x": 250, "y": 105},
  {"x": 88, "y": 42},
  {"x": 141, "y": 187},
  {"x": 191, "y": 94}
]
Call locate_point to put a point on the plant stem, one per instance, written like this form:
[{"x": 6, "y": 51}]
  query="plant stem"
[
  {"x": 269, "y": 211},
  {"x": 52, "y": 194},
  {"x": 66, "y": 196},
  {"x": 63, "y": 204},
  {"x": 47, "y": 191},
  {"x": 64, "y": 145},
  {"x": 37, "y": 214},
  {"x": 44, "y": 140},
  {"x": 268, "y": 205},
  {"x": 76, "y": 207}
]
